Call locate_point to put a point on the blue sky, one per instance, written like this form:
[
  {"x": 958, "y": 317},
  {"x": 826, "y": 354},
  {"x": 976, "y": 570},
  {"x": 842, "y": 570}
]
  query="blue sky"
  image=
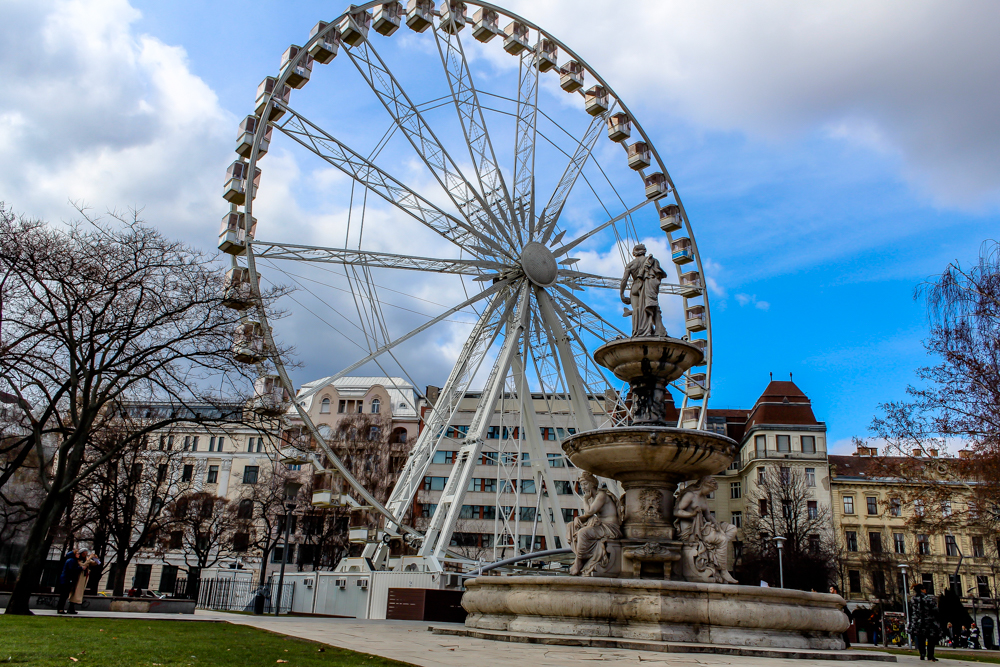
[{"x": 831, "y": 156}]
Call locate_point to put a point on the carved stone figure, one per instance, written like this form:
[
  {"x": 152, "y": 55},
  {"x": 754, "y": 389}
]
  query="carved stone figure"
[
  {"x": 644, "y": 298},
  {"x": 704, "y": 556},
  {"x": 589, "y": 533}
]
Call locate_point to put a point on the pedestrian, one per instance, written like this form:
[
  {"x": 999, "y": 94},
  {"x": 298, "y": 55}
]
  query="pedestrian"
[
  {"x": 949, "y": 635},
  {"x": 974, "y": 635},
  {"x": 964, "y": 642},
  {"x": 924, "y": 628},
  {"x": 847, "y": 612},
  {"x": 86, "y": 560},
  {"x": 67, "y": 581}
]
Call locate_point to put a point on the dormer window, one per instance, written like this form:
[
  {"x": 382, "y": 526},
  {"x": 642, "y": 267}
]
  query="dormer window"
[
  {"x": 324, "y": 407},
  {"x": 376, "y": 406}
]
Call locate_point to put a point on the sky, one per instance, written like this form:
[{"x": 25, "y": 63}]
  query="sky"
[{"x": 832, "y": 156}]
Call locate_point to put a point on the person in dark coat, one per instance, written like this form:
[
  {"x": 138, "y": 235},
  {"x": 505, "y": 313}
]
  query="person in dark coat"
[
  {"x": 67, "y": 581},
  {"x": 924, "y": 627}
]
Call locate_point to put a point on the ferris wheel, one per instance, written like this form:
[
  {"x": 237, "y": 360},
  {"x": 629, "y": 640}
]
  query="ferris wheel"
[{"x": 472, "y": 132}]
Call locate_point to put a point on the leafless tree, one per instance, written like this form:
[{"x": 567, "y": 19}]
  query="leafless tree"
[
  {"x": 200, "y": 529},
  {"x": 783, "y": 504},
  {"x": 96, "y": 318}
]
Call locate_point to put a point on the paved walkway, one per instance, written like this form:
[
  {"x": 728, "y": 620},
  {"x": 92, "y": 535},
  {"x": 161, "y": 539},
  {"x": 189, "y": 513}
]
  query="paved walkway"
[{"x": 410, "y": 641}]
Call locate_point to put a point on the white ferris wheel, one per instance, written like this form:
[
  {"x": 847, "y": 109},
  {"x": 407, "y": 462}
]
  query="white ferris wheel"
[{"x": 487, "y": 135}]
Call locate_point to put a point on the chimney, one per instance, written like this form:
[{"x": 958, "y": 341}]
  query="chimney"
[
  {"x": 964, "y": 453},
  {"x": 933, "y": 452},
  {"x": 918, "y": 452}
]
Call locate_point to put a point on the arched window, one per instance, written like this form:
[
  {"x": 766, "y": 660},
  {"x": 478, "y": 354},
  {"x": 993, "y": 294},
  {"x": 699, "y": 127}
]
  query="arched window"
[
  {"x": 324, "y": 407},
  {"x": 376, "y": 405}
]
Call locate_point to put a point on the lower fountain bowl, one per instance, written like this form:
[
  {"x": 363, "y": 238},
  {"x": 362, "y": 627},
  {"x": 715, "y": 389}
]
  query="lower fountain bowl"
[
  {"x": 656, "y": 610},
  {"x": 634, "y": 453}
]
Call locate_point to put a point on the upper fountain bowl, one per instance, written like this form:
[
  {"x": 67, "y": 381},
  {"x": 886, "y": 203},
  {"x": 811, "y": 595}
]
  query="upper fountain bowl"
[{"x": 649, "y": 357}]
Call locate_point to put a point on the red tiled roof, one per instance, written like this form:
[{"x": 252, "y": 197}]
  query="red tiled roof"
[{"x": 782, "y": 403}]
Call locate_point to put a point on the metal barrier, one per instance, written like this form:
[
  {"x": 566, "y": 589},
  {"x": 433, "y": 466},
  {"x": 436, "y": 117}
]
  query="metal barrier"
[{"x": 239, "y": 595}]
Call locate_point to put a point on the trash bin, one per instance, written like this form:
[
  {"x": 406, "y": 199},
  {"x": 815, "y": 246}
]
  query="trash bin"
[{"x": 260, "y": 599}]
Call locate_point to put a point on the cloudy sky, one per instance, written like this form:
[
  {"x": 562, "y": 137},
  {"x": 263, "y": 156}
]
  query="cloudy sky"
[{"x": 831, "y": 156}]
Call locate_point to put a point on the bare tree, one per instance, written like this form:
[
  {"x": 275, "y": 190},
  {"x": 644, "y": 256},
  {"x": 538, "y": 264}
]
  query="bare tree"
[
  {"x": 96, "y": 318},
  {"x": 201, "y": 529},
  {"x": 783, "y": 504}
]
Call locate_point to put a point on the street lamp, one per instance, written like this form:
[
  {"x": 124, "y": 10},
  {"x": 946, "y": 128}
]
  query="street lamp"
[
  {"x": 291, "y": 491},
  {"x": 906, "y": 605},
  {"x": 780, "y": 541}
]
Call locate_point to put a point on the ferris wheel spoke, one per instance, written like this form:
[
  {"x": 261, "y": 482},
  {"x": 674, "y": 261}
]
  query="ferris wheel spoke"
[
  {"x": 465, "y": 197},
  {"x": 470, "y": 113},
  {"x": 438, "y": 535},
  {"x": 363, "y": 171},
  {"x": 562, "y": 250},
  {"x": 368, "y": 259},
  {"x": 579, "y": 280},
  {"x": 589, "y": 317},
  {"x": 552, "y": 211},
  {"x": 526, "y": 135}
]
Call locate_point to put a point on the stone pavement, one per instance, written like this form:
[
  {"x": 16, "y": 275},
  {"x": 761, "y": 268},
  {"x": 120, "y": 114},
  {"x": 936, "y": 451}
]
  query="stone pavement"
[{"x": 410, "y": 641}]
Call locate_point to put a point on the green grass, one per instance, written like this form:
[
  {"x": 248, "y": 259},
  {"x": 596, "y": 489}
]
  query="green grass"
[{"x": 43, "y": 641}]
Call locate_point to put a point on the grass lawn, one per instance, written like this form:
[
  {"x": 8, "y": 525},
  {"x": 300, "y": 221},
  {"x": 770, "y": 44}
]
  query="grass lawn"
[{"x": 115, "y": 642}]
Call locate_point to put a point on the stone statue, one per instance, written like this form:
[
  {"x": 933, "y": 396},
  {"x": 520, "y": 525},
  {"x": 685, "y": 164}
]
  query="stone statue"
[
  {"x": 646, "y": 275},
  {"x": 589, "y": 533},
  {"x": 705, "y": 554}
]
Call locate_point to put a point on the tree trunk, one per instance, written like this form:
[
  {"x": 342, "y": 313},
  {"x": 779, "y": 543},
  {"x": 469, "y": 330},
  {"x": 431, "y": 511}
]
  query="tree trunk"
[
  {"x": 262, "y": 579},
  {"x": 36, "y": 550},
  {"x": 121, "y": 564}
]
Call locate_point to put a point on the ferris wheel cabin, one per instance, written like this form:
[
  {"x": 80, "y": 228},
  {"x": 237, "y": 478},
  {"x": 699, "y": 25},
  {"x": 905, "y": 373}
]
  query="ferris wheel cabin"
[
  {"x": 235, "y": 191},
  {"x": 548, "y": 56},
  {"x": 690, "y": 284},
  {"x": 354, "y": 27},
  {"x": 238, "y": 294},
  {"x": 670, "y": 218},
  {"x": 268, "y": 88},
  {"x": 270, "y": 399},
  {"x": 656, "y": 186},
  {"x": 233, "y": 235},
  {"x": 299, "y": 69},
  {"x": 516, "y": 39},
  {"x": 419, "y": 15},
  {"x": 244, "y": 141},
  {"x": 485, "y": 25},
  {"x": 248, "y": 342},
  {"x": 453, "y": 16},
  {"x": 571, "y": 79},
  {"x": 619, "y": 127},
  {"x": 596, "y": 100},
  {"x": 694, "y": 318},
  {"x": 388, "y": 17},
  {"x": 324, "y": 50},
  {"x": 681, "y": 250},
  {"x": 639, "y": 156}
]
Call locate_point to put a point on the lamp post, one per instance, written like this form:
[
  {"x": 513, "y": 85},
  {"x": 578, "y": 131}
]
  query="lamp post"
[
  {"x": 906, "y": 604},
  {"x": 780, "y": 541},
  {"x": 291, "y": 491}
]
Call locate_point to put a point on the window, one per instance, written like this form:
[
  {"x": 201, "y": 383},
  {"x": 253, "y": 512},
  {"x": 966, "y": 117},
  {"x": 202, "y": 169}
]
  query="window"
[
  {"x": 945, "y": 508},
  {"x": 176, "y": 540},
  {"x": 163, "y": 442},
  {"x": 760, "y": 475},
  {"x": 872, "y": 503},
  {"x": 211, "y": 444},
  {"x": 324, "y": 406},
  {"x": 245, "y": 509},
  {"x": 852, "y": 540},
  {"x": 810, "y": 477},
  {"x": 241, "y": 542},
  {"x": 341, "y": 407},
  {"x": 735, "y": 490},
  {"x": 187, "y": 442},
  {"x": 786, "y": 509},
  {"x": 812, "y": 509},
  {"x": 760, "y": 443},
  {"x": 207, "y": 508},
  {"x": 142, "y": 574},
  {"x": 955, "y": 584},
  {"x": 898, "y": 543},
  {"x": 250, "y": 474},
  {"x": 213, "y": 475},
  {"x": 808, "y": 444},
  {"x": 983, "y": 586},
  {"x": 435, "y": 483},
  {"x": 785, "y": 475},
  {"x": 187, "y": 473},
  {"x": 447, "y": 457},
  {"x": 737, "y": 519},
  {"x": 878, "y": 584},
  {"x": 170, "y": 442},
  {"x": 973, "y": 510},
  {"x": 161, "y": 473},
  {"x": 556, "y": 461},
  {"x": 493, "y": 433},
  {"x": 548, "y": 432},
  {"x": 278, "y": 554},
  {"x": 528, "y": 486},
  {"x": 894, "y": 507},
  {"x": 950, "y": 545},
  {"x": 427, "y": 510},
  {"x": 737, "y": 549},
  {"x": 918, "y": 507},
  {"x": 923, "y": 546},
  {"x": 875, "y": 542},
  {"x": 848, "y": 504},
  {"x": 928, "y": 581},
  {"x": 854, "y": 581},
  {"x": 528, "y": 514},
  {"x": 784, "y": 443},
  {"x": 294, "y": 467},
  {"x": 762, "y": 506},
  {"x": 814, "y": 543},
  {"x": 376, "y": 406},
  {"x": 260, "y": 445},
  {"x": 168, "y": 578},
  {"x": 977, "y": 546},
  {"x": 194, "y": 444},
  {"x": 568, "y": 514},
  {"x": 219, "y": 442},
  {"x": 457, "y": 432},
  {"x": 563, "y": 488}
]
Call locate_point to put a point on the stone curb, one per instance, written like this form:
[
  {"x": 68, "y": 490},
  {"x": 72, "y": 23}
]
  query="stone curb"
[{"x": 661, "y": 647}]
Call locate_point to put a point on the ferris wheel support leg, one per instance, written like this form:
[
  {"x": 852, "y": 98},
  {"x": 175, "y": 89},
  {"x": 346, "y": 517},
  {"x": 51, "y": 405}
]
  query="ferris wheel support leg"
[
  {"x": 438, "y": 535},
  {"x": 539, "y": 460},
  {"x": 578, "y": 398}
]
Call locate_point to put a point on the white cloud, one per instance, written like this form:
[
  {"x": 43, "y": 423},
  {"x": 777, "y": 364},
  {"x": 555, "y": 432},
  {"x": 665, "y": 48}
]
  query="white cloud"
[
  {"x": 93, "y": 112},
  {"x": 916, "y": 77},
  {"x": 751, "y": 300}
]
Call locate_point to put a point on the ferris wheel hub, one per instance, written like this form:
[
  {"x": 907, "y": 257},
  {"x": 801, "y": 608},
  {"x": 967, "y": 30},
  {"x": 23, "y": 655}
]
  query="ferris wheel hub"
[{"x": 539, "y": 264}]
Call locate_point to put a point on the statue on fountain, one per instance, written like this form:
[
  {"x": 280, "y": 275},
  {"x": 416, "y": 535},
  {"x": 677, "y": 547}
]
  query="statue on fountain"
[
  {"x": 644, "y": 298},
  {"x": 590, "y": 532},
  {"x": 705, "y": 554}
]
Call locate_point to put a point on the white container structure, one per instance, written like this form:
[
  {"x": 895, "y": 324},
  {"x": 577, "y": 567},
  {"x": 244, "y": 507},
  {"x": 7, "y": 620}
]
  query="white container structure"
[
  {"x": 270, "y": 398},
  {"x": 388, "y": 17},
  {"x": 453, "y": 16},
  {"x": 619, "y": 127},
  {"x": 681, "y": 251},
  {"x": 694, "y": 318},
  {"x": 419, "y": 15},
  {"x": 238, "y": 295},
  {"x": 501, "y": 217},
  {"x": 298, "y": 69},
  {"x": 324, "y": 43},
  {"x": 690, "y": 284},
  {"x": 670, "y": 218}
]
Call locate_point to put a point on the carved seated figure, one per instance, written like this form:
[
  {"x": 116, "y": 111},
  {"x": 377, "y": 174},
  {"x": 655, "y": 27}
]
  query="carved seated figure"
[
  {"x": 590, "y": 533},
  {"x": 705, "y": 554}
]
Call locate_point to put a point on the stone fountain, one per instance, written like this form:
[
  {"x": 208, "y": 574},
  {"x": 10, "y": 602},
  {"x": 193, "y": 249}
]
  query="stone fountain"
[{"x": 652, "y": 564}]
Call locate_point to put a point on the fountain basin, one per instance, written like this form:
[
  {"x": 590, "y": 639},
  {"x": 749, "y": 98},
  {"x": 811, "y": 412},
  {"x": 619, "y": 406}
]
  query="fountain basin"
[
  {"x": 643, "y": 357},
  {"x": 656, "y": 610}
]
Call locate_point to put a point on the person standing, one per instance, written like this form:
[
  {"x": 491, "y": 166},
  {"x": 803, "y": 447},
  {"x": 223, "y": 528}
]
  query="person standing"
[
  {"x": 850, "y": 618},
  {"x": 974, "y": 636},
  {"x": 924, "y": 627},
  {"x": 67, "y": 581},
  {"x": 86, "y": 560}
]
